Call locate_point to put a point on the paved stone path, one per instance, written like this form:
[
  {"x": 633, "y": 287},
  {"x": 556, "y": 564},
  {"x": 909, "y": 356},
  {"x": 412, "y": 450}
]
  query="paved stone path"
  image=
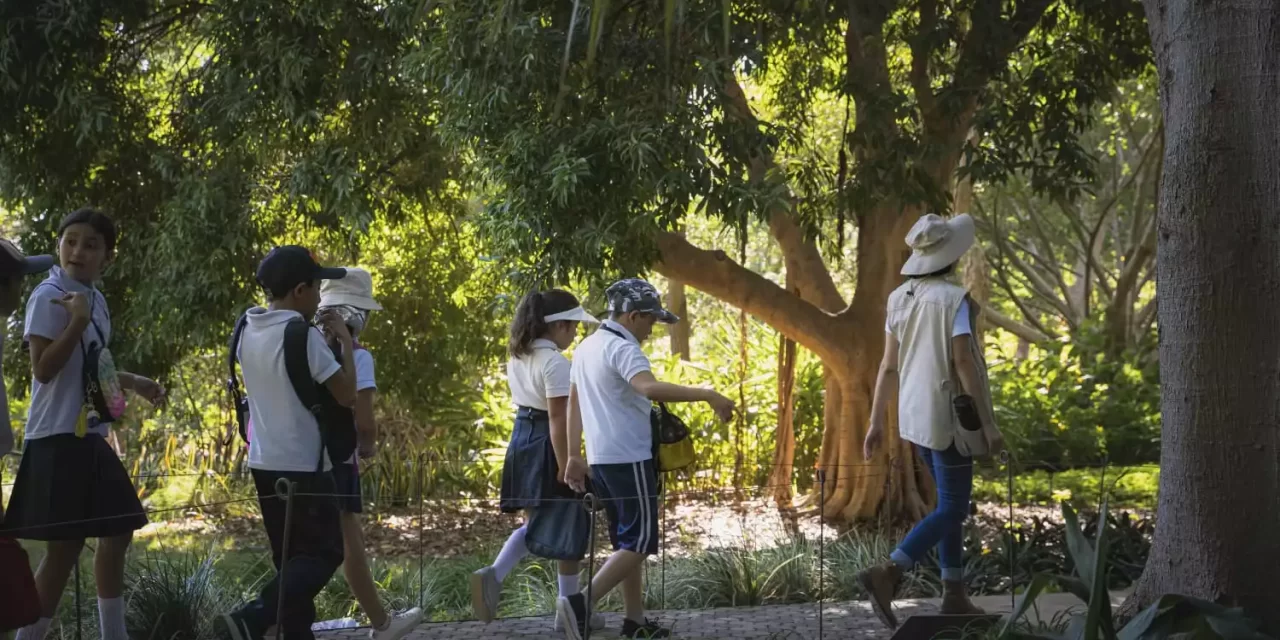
[{"x": 783, "y": 622}]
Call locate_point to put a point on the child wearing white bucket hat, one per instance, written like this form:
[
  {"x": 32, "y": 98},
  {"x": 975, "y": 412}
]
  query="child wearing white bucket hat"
[
  {"x": 352, "y": 299},
  {"x": 944, "y": 404}
]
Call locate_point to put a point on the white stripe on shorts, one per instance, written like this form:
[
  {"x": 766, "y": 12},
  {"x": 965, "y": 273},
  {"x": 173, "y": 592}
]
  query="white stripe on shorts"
[{"x": 642, "y": 488}]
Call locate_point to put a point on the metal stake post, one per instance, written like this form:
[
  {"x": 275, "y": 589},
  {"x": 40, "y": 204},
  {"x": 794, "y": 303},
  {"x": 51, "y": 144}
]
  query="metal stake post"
[
  {"x": 589, "y": 501},
  {"x": 822, "y": 545},
  {"x": 284, "y": 489}
]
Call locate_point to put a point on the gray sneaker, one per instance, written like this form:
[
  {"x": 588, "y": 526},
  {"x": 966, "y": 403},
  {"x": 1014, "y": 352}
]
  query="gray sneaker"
[{"x": 486, "y": 593}]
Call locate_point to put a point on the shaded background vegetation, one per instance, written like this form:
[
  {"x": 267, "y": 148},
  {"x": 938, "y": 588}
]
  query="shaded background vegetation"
[{"x": 389, "y": 136}]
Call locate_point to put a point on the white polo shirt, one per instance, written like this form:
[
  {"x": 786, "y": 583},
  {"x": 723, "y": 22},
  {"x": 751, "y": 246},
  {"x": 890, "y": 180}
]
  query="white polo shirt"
[
  {"x": 615, "y": 417},
  {"x": 538, "y": 376},
  {"x": 285, "y": 435},
  {"x": 56, "y": 406}
]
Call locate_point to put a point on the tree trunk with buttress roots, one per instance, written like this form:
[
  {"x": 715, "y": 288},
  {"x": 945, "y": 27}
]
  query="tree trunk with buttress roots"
[
  {"x": 848, "y": 338},
  {"x": 849, "y": 341}
]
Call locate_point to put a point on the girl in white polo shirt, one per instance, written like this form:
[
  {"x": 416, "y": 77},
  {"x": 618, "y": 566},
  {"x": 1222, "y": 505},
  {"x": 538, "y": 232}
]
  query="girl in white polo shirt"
[
  {"x": 546, "y": 322},
  {"x": 71, "y": 485}
]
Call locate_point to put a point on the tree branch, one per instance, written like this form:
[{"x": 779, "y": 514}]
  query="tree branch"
[
  {"x": 811, "y": 277},
  {"x": 1030, "y": 334},
  {"x": 921, "y": 48},
  {"x": 715, "y": 273},
  {"x": 986, "y": 49},
  {"x": 1003, "y": 281},
  {"x": 866, "y": 60}
]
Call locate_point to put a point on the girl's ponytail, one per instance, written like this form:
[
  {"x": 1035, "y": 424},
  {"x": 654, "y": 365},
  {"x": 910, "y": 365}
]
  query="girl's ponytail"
[{"x": 527, "y": 325}]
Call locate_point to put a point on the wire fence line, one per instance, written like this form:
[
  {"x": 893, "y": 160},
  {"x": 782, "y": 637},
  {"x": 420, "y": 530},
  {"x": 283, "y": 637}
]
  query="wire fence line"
[{"x": 891, "y": 472}]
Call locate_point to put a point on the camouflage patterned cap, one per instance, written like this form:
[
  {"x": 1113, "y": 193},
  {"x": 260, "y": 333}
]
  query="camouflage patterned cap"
[{"x": 634, "y": 294}]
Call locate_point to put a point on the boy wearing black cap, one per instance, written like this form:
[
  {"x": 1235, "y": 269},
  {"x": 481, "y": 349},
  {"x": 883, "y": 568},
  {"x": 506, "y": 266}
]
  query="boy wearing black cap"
[
  {"x": 611, "y": 394},
  {"x": 14, "y": 266},
  {"x": 286, "y": 443}
]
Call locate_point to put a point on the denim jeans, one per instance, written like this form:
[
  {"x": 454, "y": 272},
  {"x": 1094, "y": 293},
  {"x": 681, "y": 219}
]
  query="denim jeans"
[
  {"x": 953, "y": 474},
  {"x": 315, "y": 552}
]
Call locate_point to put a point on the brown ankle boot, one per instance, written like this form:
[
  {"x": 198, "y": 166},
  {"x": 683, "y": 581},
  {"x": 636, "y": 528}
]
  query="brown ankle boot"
[
  {"x": 881, "y": 584},
  {"x": 955, "y": 601}
]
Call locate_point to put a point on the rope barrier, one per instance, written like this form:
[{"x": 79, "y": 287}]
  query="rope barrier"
[{"x": 288, "y": 491}]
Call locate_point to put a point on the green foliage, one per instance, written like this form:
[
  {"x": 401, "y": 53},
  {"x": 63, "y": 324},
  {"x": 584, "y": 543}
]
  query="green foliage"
[
  {"x": 1130, "y": 486},
  {"x": 209, "y": 130},
  {"x": 594, "y": 130},
  {"x": 1169, "y": 615},
  {"x": 175, "y": 597},
  {"x": 1077, "y": 407}
]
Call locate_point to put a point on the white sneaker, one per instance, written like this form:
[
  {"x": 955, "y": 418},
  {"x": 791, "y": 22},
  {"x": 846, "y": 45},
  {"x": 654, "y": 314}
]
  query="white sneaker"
[
  {"x": 400, "y": 626},
  {"x": 597, "y": 621}
]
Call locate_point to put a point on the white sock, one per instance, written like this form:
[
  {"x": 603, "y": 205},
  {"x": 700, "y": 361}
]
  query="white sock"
[
  {"x": 511, "y": 555},
  {"x": 34, "y": 631},
  {"x": 568, "y": 585},
  {"x": 111, "y": 619}
]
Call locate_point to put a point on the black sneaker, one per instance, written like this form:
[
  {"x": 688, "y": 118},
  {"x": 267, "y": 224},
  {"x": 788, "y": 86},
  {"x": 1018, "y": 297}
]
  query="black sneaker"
[
  {"x": 647, "y": 629},
  {"x": 573, "y": 611}
]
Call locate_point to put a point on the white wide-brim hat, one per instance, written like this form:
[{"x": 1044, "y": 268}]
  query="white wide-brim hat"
[
  {"x": 355, "y": 290},
  {"x": 937, "y": 243}
]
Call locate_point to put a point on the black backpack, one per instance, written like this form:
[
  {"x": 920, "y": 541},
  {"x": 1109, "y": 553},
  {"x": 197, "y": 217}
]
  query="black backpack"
[{"x": 337, "y": 423}]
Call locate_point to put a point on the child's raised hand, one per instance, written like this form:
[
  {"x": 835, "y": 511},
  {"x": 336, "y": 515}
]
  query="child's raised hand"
[
  {"x": 150, "y": 390},
  {"x": 76, "y": 304},
  {"x": 335, "y": 326}
]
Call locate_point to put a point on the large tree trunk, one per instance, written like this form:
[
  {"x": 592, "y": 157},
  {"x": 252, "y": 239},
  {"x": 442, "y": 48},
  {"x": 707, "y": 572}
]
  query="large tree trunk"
[{"x": 1219, "y": 277}]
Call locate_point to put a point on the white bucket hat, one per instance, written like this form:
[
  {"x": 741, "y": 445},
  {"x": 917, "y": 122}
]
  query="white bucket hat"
[
  {"x": 937, "y": 243},
  {"x": 355, "y": 290}
]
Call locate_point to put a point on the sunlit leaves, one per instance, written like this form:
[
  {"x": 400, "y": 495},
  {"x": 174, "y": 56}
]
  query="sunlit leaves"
[{"x": 209, "y": 130}]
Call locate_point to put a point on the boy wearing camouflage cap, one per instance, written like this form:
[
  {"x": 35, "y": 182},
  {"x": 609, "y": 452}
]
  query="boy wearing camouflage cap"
[{"x": 611, "y": 395}]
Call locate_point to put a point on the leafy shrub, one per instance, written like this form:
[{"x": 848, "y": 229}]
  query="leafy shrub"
[
  {"x": 1077, "y": 407},
  {"x": 1170, "y": 615},
  {"x": 1039, "y": 546},
  {"x": 1134, "y": 486},
  {"x": 173, "y": 597}
]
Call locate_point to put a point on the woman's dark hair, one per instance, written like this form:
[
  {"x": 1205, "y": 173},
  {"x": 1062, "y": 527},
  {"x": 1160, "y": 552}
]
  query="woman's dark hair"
[
  {"x": 945, "y": 271},
  {"x": 100, "y": 222},
  {"x": 528, "y": 324}
]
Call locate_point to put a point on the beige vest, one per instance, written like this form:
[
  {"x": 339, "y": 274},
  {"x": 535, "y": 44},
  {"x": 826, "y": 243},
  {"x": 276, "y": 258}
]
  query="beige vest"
[{"x": 921, "y": 314}]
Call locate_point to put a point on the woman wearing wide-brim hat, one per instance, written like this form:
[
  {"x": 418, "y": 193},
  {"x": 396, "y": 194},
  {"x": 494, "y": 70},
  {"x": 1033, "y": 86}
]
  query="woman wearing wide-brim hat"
[{"x": 944, "y": 405}]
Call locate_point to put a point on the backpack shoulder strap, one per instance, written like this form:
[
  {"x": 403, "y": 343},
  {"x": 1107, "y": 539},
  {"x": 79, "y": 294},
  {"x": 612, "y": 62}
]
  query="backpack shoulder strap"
[
  {"x": 614, "y": 332},
  {"x": 233, "y": 356},
  {"x": 296, "y": 364}
]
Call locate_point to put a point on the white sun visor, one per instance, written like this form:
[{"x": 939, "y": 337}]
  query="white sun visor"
[{"x": 576, "y": 314}]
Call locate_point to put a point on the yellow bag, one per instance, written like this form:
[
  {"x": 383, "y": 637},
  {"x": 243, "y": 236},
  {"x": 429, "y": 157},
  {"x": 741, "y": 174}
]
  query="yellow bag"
[{"x": 673, "y": 448}]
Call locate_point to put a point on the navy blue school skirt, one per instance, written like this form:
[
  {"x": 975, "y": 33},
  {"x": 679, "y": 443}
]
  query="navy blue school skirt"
[
  {"x": 71, "y": 488},
  {"x": 529, "y": 470}
]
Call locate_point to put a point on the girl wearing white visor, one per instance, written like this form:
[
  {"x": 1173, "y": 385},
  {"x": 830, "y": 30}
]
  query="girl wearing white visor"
[{"x": 545, "y": 324}]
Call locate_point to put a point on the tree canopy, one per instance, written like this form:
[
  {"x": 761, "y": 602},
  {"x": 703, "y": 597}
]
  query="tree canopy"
[
  {"x": 208, "y": 131},
  {"x": 597, "y": 125},
  {"x": 576, "y": 136}
]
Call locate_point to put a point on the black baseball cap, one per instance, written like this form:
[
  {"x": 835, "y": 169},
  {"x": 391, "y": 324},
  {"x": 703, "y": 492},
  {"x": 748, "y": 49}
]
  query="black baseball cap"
[
  {"x": 289, "y": 266},
  {"x": 634, "y": 294},
  {"x": 14, "y": 263}
]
